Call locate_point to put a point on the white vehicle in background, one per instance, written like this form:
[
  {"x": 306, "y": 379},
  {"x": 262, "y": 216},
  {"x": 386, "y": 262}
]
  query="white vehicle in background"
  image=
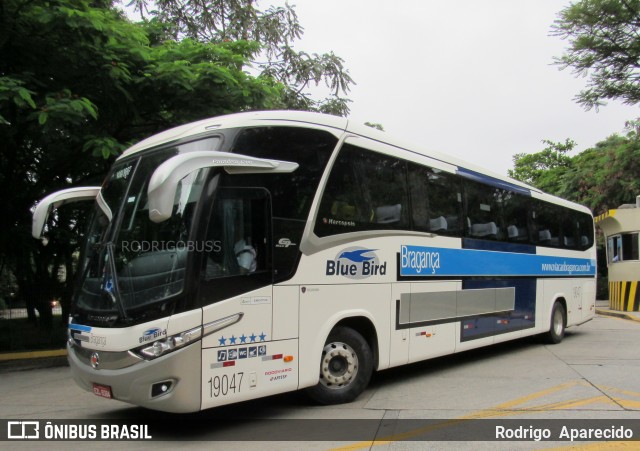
[{"x": 258, "y": 253}]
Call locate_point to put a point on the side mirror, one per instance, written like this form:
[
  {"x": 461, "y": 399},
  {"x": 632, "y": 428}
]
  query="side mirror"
[
  {"x": 54, "y": 200},
  {"x": 165, "y": 179}
]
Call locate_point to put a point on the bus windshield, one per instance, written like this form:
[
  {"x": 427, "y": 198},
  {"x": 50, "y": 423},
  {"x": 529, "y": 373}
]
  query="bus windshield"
[{"x": 132, "y": 266}]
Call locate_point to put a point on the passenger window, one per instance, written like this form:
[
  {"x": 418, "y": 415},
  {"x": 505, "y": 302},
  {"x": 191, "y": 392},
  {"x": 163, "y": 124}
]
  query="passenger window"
[
  {"x": 435, "y": 201},
  {"x": 569, "y": 228},
  {"x": 515, "y": 209},
  {"x": 585, "y": 230},
  {"x": 548, "y": 221},
  {"x": 365, "y": 191},
  {"x": 484, "y": 211}
]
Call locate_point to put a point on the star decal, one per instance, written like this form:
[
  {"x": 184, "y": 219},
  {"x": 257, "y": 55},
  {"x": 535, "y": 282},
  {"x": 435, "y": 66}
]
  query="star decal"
[{"x": 242, "y": 339}]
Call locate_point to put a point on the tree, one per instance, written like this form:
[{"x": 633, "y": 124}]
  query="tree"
[
  {"x": 607, "y": 175},
  {"x": 601, "y": 177},
  {"x": 545, "y": 168},
  {"x": 78, "y": 84},
  {"x": 375, "y": 125},
  {"x": 604, "y": 45},
  {"x": 275, "y": 30}
]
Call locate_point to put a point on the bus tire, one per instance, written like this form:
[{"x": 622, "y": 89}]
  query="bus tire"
[
  {"x": 558, "y": 324},
  {"x": 346, "y": 366}
]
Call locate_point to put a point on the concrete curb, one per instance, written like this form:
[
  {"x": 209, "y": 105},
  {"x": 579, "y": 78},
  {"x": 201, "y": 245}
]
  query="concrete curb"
[
  {"x": 32, "y": 355},
  {"x": 616, "y": 314}
]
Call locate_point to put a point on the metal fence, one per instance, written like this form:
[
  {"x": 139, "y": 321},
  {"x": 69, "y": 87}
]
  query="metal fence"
[
  {"x": 16, "y": 313},
  {"x": 19, "y": 333}
]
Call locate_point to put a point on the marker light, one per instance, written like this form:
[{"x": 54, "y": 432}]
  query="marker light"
[{"x": 288, "y": 358}]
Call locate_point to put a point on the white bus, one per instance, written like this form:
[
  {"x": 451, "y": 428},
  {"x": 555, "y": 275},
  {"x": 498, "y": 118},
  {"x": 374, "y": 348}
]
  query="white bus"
[{"x": 258, "y": 253}]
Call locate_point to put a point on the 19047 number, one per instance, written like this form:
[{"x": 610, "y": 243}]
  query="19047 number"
[{"x": 224, "y": 385}]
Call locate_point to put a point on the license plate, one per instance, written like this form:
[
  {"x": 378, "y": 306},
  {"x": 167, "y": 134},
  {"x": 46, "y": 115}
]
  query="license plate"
[{"x": 102, "y": 390}]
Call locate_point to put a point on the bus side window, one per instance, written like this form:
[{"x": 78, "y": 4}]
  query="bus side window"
[
  {"x": 569, "y": 229},
  {"x": 548, "y": 222},
  {"x": 365, "y": 191},
  {"x": 585, "y": 230},
  {"x": 483, "y": 211},
  {"x": 418, "y": 188},
  {"x": 515, "y": 210},
  {"x": 435, "y": 200}
]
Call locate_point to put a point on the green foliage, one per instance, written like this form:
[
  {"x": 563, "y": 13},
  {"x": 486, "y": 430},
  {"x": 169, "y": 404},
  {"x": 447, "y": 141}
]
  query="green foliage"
[
  {"x": 375, "y": 125},
  {"x": 602, "y": 177},
  {"x": 12, "y": 91},
  {"x": 78, "y": 84},
  {"x": 604, "y": 45},
  {"x": 273, "y": 31},
  {"x": 606, "y": 176},
  {"x": 543, "y": 169}
]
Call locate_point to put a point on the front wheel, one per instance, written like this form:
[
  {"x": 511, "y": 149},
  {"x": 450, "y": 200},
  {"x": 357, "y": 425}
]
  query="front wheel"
[
  {"x": 345, "y": 367},
  {"x": 558, "y": 324}
]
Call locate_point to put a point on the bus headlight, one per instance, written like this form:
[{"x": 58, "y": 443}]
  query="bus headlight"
[{"x": 169, "y": 344}]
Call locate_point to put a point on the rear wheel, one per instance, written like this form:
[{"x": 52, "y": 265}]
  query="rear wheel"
[
  {"x": 345, "y": 367},
  {"x": 558, "y": 324}
]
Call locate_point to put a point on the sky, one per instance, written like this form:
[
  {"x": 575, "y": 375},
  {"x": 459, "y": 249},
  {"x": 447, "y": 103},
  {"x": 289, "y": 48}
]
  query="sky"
[{"x": 473, "y": 79}]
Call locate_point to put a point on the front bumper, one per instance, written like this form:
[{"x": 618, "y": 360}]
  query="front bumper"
[{"x": 133, "y": 384}]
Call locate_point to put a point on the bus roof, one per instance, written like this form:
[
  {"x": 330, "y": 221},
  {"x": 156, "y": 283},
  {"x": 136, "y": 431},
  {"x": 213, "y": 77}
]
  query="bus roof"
[
  {"x": 247, "y": 119},
  {"x": 340, "y": 124}
]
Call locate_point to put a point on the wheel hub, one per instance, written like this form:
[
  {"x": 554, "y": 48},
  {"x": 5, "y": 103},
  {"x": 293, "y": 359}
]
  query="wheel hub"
[
  {"x": 558, "y": 323},
  {"x": 339, "y": 365}
]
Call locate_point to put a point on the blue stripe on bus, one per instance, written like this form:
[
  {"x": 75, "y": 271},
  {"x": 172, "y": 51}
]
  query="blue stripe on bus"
[
  {"x": 498, "y": 246},
  {"x": 492, "y": 181},
  {"x": 80, "y": 327},
  {"x": 523, "y": 316},
  {"x": 421, "y": 261}
]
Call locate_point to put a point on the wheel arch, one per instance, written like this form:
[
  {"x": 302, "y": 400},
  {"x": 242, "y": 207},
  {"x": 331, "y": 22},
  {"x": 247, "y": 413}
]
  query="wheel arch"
[
  {"x": 556, "y": 331},
  {"x": 365, "y": 327},
  {"x": 312, "y": 344},
  {"x": 561, "y": 299},
  {"x": 347, "y": 361}
]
